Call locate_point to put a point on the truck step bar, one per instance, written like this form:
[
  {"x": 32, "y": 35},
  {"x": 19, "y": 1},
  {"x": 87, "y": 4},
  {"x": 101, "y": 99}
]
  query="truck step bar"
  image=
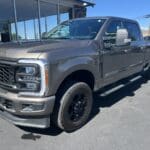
[{"x": 120, "y": 86}]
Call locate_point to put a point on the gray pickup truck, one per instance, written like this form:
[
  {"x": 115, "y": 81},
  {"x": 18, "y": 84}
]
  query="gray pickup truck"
[{"x": 54, "y": 79}]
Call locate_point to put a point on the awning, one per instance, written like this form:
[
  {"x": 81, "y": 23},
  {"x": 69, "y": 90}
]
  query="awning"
[{"x": 87, "y": 2}]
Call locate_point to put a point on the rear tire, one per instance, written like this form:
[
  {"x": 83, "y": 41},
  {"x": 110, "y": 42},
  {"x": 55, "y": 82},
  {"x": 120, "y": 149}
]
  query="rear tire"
[{"x": 73, "y": 106}]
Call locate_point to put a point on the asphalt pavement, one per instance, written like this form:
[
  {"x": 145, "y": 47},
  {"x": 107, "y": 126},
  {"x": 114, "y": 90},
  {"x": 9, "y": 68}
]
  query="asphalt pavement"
[{"x": 120, "y": 121}]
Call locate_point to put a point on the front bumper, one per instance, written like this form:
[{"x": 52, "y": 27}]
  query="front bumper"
[
  {"x": 26, "y": 111},
  {"x": 26, "y": 122}
]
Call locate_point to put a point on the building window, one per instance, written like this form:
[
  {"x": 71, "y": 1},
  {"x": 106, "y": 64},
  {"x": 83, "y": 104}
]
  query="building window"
[{"x": 64, "y": 17}]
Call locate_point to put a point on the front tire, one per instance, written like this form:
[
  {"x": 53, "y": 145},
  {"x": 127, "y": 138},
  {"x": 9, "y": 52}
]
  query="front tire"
[{"x": 74, "y": 106}]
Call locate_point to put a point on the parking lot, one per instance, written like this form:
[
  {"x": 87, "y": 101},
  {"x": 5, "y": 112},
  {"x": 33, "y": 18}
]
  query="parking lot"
[{"x": 120, "y": 121}]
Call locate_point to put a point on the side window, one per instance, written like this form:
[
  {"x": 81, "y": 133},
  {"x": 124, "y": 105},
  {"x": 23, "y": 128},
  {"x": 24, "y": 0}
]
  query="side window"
[
  {"x": 133, "y": 31},
  {"x": 109, "y": 37}
]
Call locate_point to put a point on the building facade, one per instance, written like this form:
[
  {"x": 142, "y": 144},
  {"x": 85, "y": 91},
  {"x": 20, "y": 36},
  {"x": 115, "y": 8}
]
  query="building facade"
[{"x": 30, "y": 19}]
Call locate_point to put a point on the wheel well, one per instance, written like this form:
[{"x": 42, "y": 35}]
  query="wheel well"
[{"x": 81, "y": 76}]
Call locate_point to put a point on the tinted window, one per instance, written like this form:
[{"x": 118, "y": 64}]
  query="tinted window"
[
  {"x": 133, "y": 30},
  {"x": 113, "y": 27},
  {"x": 110, "y": 34},
  {"x": 76, "y": 29}
]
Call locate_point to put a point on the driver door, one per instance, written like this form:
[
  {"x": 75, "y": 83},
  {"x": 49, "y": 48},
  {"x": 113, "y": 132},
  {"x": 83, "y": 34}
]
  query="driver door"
[{"x": 113, "y": 56}]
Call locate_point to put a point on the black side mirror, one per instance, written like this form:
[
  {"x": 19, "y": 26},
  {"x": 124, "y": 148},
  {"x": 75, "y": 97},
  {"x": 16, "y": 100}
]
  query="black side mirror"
[{"x": 122, "y": 37}]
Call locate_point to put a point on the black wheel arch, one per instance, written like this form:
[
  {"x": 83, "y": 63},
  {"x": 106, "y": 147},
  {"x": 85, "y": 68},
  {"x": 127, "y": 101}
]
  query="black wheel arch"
[{"x": 79, "y": 76}]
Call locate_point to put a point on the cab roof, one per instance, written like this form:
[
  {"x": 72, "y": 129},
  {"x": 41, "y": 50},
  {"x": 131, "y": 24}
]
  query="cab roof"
[{"x": 107, "y": 18}]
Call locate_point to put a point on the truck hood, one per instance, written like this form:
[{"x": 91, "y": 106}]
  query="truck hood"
[{"x": 34, "y": 49}]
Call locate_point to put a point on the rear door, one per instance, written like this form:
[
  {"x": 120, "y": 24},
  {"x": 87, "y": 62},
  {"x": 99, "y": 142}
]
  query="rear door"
[{"x": 134, "y": 52}]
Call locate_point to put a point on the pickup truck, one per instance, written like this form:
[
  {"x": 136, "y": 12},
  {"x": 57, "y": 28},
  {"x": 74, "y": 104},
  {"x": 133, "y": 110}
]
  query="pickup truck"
[{"x": 53, "y": 80}]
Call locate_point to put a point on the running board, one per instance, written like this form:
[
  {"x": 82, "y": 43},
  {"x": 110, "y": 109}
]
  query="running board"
[{"x": 108, "y": 92}]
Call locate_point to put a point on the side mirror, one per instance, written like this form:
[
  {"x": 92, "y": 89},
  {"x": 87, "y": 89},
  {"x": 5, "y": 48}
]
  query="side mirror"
[{"x": 122, "y": 37}]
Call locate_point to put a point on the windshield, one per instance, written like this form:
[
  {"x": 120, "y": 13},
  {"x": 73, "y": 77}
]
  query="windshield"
[{"x": 76, "y": 29}]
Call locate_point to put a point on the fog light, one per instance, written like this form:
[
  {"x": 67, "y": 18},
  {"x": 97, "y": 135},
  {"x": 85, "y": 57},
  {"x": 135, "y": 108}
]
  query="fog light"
[{"x": 32, "y": 107}]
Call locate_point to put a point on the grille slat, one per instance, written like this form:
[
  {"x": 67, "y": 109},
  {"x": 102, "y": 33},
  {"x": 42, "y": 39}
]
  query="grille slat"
[{"x": 7, "y": 74}]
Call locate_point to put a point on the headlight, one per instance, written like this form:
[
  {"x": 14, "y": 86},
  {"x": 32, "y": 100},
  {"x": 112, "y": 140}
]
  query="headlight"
[
  {"x": 29, "y": 70},
  {"x": 32, "y": 77},
  {"x": 28, "y": 78}
]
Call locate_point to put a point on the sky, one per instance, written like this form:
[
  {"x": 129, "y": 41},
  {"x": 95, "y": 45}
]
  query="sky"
[{"x": 133, "y": 9}]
